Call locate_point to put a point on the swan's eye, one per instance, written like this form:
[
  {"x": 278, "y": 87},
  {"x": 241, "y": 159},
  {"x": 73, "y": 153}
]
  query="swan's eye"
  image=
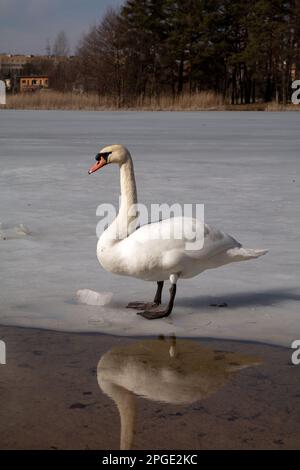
[{"x": 104, "y": 155}]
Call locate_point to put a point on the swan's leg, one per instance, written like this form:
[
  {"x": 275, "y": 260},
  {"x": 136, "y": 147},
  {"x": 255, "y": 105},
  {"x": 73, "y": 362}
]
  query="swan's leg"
[
  {"x": 147, "y": 305},
  {"x": 155, "y": 314},
  {"x": 157, "y": 298}
]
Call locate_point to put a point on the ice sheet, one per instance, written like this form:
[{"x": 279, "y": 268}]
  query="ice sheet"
[{"x": 243, "y": 166}]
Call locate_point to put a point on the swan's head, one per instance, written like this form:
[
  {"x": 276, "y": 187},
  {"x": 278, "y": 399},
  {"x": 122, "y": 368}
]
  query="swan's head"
[{"x": 111, "y": 154}]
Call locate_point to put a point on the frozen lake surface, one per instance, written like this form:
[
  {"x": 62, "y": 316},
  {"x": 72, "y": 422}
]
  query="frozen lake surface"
[{"x": 243, "y": 166}]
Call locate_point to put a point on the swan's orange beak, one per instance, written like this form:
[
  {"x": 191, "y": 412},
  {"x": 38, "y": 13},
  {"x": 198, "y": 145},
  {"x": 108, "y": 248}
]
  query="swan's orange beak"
[{"x": 97, "y": 165}]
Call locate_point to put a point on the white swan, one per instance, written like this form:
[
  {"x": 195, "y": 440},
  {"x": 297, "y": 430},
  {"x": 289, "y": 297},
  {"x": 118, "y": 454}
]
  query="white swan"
[
  {"x": 148, "y": 253},
  {"x": 172, "y": 371}
]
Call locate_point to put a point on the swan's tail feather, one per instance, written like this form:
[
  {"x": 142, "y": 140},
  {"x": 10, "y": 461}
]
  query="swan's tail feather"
[{"x": 243, "y": 254}]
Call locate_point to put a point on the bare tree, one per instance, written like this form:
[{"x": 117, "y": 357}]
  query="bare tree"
[
  {"x": 102, "y": 61},
  {"x": 61, "y": 45},
  {"x": 48, "y": 47}
]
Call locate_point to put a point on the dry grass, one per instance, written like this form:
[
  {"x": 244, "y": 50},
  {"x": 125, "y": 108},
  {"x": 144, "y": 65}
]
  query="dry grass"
[
  {"x": 274, "y": 106},
  {"x": 205, "y": 100},
  {"x": 56, "y": 100},
  {"x": 270, "y": 107},
  {"x": 73, "y": 101},
  {"x": 246, "y": 107}
]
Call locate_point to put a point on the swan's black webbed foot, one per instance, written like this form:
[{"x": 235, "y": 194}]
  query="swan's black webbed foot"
[
  {"x": 153, "y": 315},
  {"x": 141, "y": 305},
  {"x": 156, "y": 314}
]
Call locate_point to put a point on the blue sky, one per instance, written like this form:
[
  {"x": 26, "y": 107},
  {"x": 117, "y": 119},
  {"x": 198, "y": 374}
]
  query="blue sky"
[{"x": 25, "y": 25}]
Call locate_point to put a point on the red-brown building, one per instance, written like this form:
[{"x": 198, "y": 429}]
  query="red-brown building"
[{"x": 33, "y": 83}]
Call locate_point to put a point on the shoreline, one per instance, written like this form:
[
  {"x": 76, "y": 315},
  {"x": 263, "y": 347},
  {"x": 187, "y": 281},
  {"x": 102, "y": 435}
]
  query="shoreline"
[
  {"x": 142, "y": 337},
  {"x": 229, "y": 109}
]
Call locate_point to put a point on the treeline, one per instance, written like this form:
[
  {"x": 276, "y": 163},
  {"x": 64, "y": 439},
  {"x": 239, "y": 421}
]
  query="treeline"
[{"x": 247, "y": 51}]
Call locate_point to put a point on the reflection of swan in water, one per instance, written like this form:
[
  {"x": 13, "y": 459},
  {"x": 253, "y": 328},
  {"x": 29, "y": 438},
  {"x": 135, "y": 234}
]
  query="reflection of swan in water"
[{"x": 177, "y": 372}]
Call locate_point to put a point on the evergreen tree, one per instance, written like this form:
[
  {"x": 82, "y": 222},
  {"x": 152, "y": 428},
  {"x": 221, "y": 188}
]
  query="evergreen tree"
[{"x": 246, "y": 50}]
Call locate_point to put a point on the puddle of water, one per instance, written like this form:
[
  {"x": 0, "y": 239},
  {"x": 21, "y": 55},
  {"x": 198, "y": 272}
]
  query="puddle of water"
[
  {"x": 79, "y": 391},
  {"x": 171, "y": 371}
]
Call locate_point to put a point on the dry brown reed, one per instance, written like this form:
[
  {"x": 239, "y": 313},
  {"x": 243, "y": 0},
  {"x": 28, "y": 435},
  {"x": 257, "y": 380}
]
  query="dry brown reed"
[{"x": 73, "y": 101}]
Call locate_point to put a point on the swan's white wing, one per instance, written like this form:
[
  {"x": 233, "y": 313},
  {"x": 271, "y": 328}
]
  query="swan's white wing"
[
  {"x": 162, "y": 233},
  {"x": 172, "y": 230},
  {"x": 216, "y": 242},
  {"x": 150, "y": 252}
]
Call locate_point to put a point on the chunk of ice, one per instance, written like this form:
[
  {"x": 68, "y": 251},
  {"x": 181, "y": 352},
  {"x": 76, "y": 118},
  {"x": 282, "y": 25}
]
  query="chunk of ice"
[
  {"x": 22, "y": 230},
  {"x": 90, "y": 297},
  {"x": 9, "y": 232}
]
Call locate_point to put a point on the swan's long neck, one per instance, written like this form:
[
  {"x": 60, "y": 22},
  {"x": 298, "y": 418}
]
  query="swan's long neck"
[
  {"x": 124, "y": 223},
  {"x": 128, "y": 194}
]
